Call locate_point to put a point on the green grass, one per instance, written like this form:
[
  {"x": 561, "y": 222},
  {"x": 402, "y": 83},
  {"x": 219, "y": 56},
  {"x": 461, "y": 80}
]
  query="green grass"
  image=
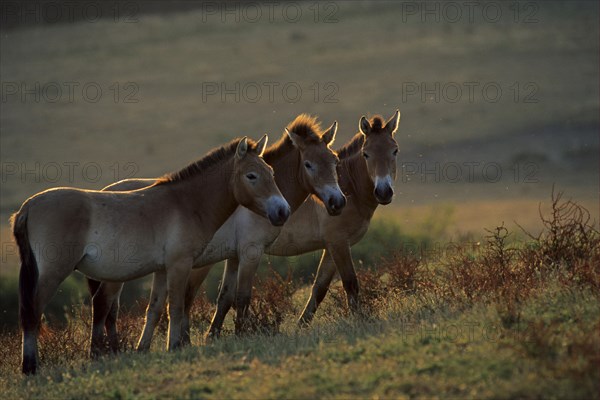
[
  {"x": 448, "y": 354},
  {"x": 506, "y": 320}
]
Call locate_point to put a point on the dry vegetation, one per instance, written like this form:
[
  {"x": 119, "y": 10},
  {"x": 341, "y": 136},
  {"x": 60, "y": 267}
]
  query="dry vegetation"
[{"x": 509, "y": 277}]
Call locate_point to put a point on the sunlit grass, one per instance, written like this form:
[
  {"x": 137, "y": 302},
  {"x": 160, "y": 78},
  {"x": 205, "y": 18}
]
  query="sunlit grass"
[{"x": 502, "y": 320}]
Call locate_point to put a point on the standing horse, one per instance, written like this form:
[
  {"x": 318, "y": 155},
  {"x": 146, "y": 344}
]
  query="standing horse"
[
  {"x": 119, "y": 236},
  {"x": 366, "y": 172},
  {"x": 303, "y": 164}
]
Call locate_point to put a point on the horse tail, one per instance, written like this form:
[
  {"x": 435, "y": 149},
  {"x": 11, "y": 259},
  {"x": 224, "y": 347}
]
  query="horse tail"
[{"x": 28, "y": 275}]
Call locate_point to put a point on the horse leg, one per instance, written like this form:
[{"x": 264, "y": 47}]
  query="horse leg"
[
  {"x": 342, "y": 257},
  {"x": 247, "y": 271},
  {"x": 102, "y": 302},
  {"x": 93, "y": 286},
  {"x": 325, "y": 274},
  {"x": 31, "y": 317},
  {"x": 197, "y": 276},
  {"x": 111, "y": 323},
  {"x": 158, "y": 297},
  {"x": 177, "y": 277},
  {"x": 226, "y": 297}
]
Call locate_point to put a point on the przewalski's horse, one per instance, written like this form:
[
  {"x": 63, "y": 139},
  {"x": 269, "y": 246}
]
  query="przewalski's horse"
[
  {"x": 366, "y": 172},
  {"x": 118, "y": 236},
  {"x": 303, "y": 164}
]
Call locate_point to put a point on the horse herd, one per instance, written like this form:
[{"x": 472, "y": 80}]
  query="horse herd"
[{"x": 238, "y": 202}]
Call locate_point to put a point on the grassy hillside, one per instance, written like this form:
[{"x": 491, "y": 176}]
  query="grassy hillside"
[
  {"x": 368, "y": 59},
  {"x": 549, "y": 355},
  {"x": 503, "y": 319}
]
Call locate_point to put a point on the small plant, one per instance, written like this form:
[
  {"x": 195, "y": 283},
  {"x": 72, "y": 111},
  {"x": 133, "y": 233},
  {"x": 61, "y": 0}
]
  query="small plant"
[
  {"x": 271, "y": 303},
  {"x": 201, "y": 310},
  {"x": 568, "y": 236},
  {"x": 405, "y": 273}
]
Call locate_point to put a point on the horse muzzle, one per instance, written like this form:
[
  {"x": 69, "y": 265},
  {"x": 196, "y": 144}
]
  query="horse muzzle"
[
  {"x": 278, "y": 210},
  {"x": 384, "y": 193},
  {"x": 335, "y": 204}
]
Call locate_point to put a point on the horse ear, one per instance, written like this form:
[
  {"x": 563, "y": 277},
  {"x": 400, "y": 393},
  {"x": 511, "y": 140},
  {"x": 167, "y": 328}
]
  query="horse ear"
[
  {"x": 329, "y": 135},
  {"x": 296, "y": 139},
  {"x": 364, "y": 126},
  {"x": 262, "y": 145},
  {"x": 392, "y": 125},
  {"x": 242, "y": 148}
]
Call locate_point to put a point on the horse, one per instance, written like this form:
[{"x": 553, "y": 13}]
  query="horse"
[
  {"x": 119, "y": 236},
  {"x": 366, "y": 172},
  {"x": 304, "y": 164}
]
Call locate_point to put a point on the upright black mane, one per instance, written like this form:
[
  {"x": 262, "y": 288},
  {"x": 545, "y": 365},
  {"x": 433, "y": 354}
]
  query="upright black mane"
[
  {"x": 352, "y": 147},
  {"x": 377, "y": 124},
  {"x": 305, "y": 126},
  {"x": 214, "y": 157}
]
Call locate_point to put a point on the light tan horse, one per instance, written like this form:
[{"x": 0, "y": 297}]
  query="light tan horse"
[
  {"x": 118, "y": 236},
  {"x": 366, "y": 173},
  {"x": 303, "y": 164}
]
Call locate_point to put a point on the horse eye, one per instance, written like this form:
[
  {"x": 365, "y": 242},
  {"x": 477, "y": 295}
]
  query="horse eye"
[
  {"x": 365, "y": 155},
  {"x": 251, "y": 176},
  {"x": 307, "y": 165},
  {"x": 395, "y": 152}
]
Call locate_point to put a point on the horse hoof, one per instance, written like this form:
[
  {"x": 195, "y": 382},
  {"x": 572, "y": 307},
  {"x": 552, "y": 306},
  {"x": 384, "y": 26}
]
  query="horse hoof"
[{"x": 29, "y": 367}]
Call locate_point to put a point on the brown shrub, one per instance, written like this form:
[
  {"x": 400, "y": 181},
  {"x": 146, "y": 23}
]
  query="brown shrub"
[
  {"x": 372, "y": 291},
  {"x": 371, "y": 295},
  {"x": 201, "y": 309},
  {"x": 129, "y": 326},
  {"x": 568, "y": 235},
  {"x": 405, "y": 273},
  {"x": 65, "y": 343},
  {"x": 271, "y": 302},
  {"x": 401, "y": 275},
  {"x": 60, "y": 345},
  {"x": 494, "y": 272}
]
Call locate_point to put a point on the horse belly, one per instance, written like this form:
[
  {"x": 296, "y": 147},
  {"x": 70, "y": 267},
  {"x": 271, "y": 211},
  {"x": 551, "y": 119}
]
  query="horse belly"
[
  {"x": 120, "y": 257},
  {"x": 112, "y": 267}
]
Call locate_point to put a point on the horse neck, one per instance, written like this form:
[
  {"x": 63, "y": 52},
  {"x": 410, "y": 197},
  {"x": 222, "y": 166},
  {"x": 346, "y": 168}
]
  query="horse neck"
[
  {"x": 355, "y": 181},
  {"x": 288, "y": 177},
  {"x": 208, "y": 196}
]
